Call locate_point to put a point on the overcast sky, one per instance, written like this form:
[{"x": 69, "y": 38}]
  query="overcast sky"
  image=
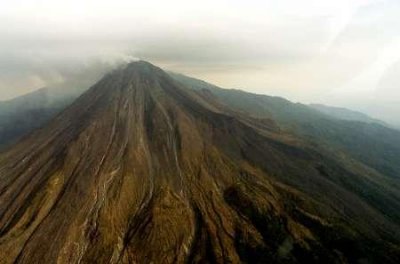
[{"x": 337, "y": 52}]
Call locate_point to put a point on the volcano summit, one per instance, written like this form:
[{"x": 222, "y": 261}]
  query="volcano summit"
[{"x": 142, "y": 169}]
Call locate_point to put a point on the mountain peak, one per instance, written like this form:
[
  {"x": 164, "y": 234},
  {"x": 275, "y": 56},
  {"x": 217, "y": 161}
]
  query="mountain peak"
[
  {"x": 141, "y": 63},
  {"x": 140, "y": 67},
  {"x": 134, "y": 76}
]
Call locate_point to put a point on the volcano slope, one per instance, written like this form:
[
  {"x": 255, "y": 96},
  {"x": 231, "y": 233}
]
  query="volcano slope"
[{"x": 141, "y": 169}]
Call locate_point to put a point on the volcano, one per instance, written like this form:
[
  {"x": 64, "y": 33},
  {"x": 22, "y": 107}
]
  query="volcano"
[{"x": 141, "y": 169}]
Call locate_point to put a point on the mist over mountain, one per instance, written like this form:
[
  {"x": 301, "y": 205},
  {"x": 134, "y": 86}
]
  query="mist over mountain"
[
  {"x": 346, "y": 114},
  {"x": 208, "y": 131},
  {"x": 23, "y": 114},
  {"x": 144, "y": 167},
  {"x": 340, "y": 53}
]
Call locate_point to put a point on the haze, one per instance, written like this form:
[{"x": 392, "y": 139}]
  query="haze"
[{"x": 341, "y": 53}]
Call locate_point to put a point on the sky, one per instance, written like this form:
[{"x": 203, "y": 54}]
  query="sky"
[{"x": 343, "y": 52}]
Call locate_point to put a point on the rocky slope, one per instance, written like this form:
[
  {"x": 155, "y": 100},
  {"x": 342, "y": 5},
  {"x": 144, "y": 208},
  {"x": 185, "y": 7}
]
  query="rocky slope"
[{"x": 141, "y": 169}]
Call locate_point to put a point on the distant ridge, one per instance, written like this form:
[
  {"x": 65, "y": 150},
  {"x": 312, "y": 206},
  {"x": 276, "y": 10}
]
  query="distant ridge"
[
  {"x": 375, "y": 145},
  {"x": 346, "y": 114}
]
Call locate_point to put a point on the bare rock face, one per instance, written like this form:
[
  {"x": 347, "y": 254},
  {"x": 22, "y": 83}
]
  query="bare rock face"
[{"x": 142, "y": 170}]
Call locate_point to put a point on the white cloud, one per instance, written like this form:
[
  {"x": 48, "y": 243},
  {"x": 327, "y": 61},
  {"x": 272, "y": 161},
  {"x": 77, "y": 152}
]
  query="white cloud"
[{"x": 311, "y": 50}]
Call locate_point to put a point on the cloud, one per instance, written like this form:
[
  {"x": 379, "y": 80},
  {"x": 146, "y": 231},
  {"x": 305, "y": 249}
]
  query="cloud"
[{"x": 304, "y": 50}]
